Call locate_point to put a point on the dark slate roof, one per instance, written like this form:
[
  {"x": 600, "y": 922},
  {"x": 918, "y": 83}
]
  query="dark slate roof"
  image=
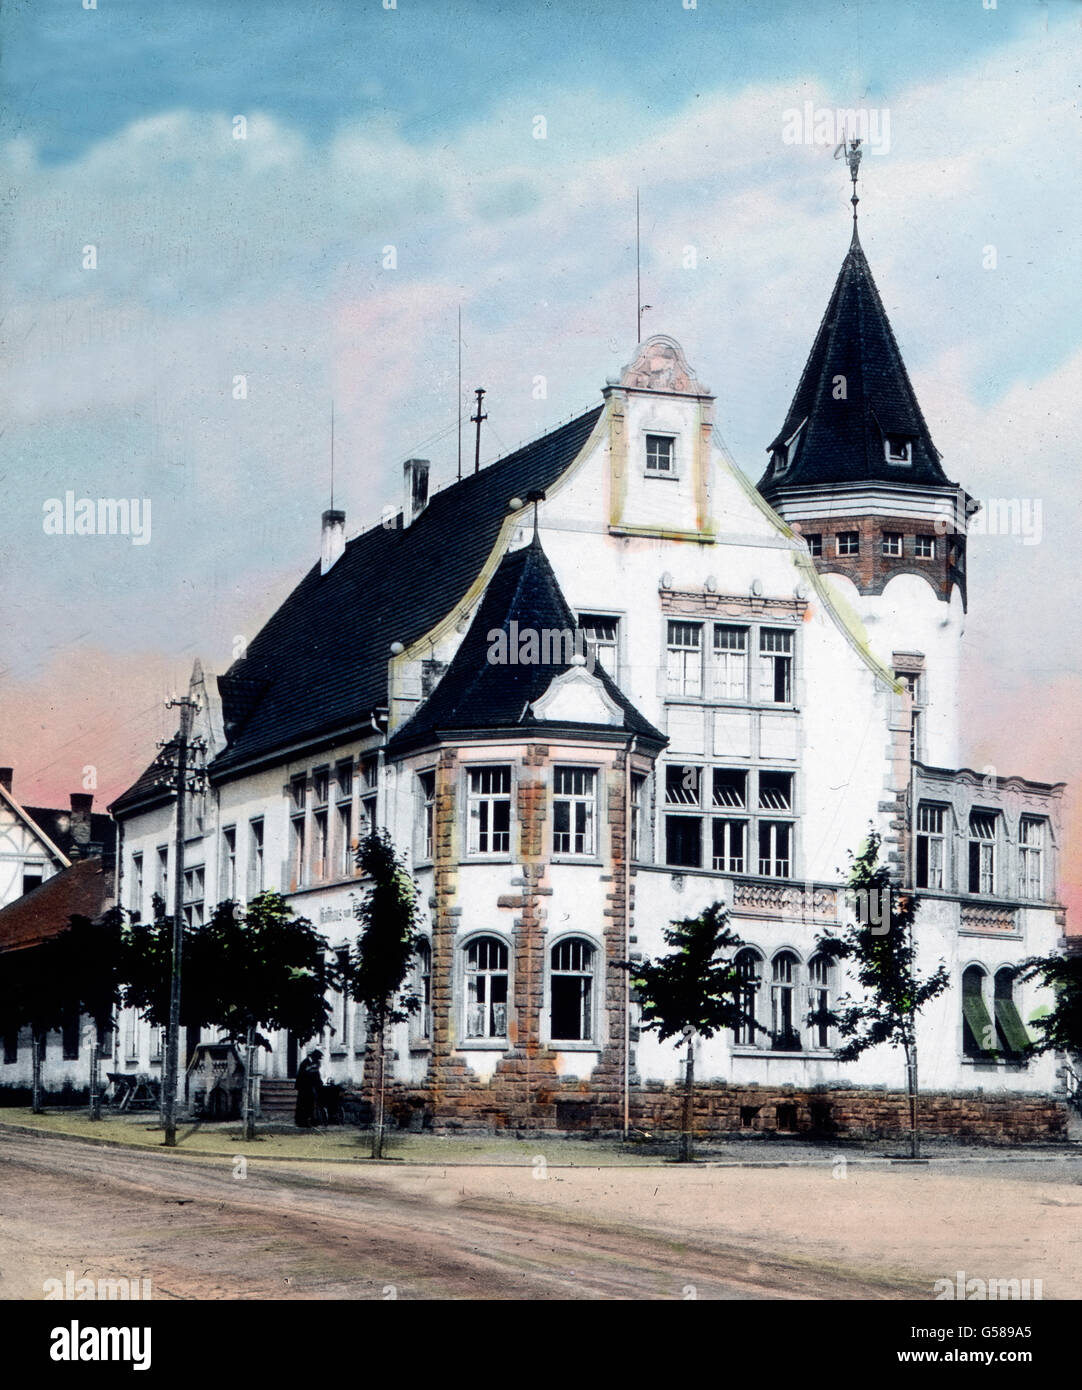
[
  {"x": 82, "y": 890},
  {"x": 318, "y": 668},
  {"x": 843, "y": 440},
  {"x": 56, "y": 824},
  {"x": 476, "y": 694},
  {"x": 144, "y": 792}
]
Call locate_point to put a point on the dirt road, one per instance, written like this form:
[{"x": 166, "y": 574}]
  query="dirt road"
[{"x": 206, "y": 1228}]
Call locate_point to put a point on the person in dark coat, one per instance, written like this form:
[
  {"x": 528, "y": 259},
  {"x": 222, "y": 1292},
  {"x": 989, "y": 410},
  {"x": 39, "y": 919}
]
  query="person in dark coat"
[{"x": 309, "y": 1086}]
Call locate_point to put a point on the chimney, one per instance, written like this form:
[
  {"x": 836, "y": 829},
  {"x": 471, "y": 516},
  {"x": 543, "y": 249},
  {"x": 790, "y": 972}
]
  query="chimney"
[
  {"x": 414, "y": 490},
  {"x": 6, "y": 774},
  {"x": 333, "y": 541},
  {"x": 81, "y": 802}
]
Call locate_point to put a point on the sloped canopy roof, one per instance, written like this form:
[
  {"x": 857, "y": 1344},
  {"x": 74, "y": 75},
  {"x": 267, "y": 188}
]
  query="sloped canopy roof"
[
  {"x": 318, "y": 668},
  {"x": 478, "y": 694},
  {"x": 841, "y": 439},
  {"x": 84, "y": 890}
]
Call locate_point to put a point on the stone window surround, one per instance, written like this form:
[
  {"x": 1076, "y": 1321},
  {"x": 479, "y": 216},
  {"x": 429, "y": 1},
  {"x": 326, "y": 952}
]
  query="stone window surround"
[
  {"x": 593, "y": 1042},
  {"x": 460, "y": 993}
]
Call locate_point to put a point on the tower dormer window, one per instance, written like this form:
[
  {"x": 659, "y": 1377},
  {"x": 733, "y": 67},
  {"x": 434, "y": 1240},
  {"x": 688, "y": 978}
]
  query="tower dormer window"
[
  {"x": 899, "y": 449},
  {"x": 781, "y": 459},
  {"x": 661, "y": 455}
]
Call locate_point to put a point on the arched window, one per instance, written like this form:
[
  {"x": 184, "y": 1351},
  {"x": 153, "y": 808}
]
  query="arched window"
[
  {"x": 486, "y": 988},
  {"x": 978, "y": 1030},
  {"x": 1012, "y": 1034},
  {"x": 818, "y": 1000},
  {"x": 572, "y": 991},
  {"x": 748, "y": 964},
  {"x": 421, "y": 1021},
  {"x": 785, "y": 1037}
]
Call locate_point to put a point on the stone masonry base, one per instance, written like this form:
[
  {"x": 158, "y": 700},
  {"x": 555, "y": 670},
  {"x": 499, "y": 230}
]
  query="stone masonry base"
[{"x": 722, "y": 1109}]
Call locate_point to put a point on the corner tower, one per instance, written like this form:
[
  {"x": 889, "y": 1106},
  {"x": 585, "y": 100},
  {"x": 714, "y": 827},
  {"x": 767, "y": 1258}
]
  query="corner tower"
[{"x": 855, "y": 471}]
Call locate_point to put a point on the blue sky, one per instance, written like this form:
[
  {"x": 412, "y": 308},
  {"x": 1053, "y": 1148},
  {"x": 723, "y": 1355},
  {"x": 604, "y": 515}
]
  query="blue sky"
[
  {"x": 74, "y": 77},
  {"x": 415, "y": 128}
]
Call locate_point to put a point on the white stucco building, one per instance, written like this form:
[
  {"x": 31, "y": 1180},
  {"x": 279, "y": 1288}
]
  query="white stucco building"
[{"x": 769, "y": 670}]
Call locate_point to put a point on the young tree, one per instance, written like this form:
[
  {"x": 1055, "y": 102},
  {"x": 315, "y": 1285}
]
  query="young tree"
[
  {"x": 260, "y": 968},
  {"x": 694, "y": 990},
  {"x": 1060, "y": 1029},
  {"x": 28, "y": 997},
  {"x": 384, "y": 952},
  {"x": 146, "y": 967},
  {"x": 87, "y": 964},
  {"x": 880, "y": 947}
]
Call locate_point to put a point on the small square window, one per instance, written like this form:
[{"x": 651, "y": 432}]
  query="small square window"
[
  {"x": 848, "y": 542},
  {"x": 892, "y": 543},
  {"x": 899, "y": 449},
  {"x": 815, "y": 543},
  {"x": 924, "y": 547},
  {"x": 660, "y": 454}
]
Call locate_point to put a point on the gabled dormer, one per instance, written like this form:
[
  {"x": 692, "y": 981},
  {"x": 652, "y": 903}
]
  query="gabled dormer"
[
  {"x": 660, "y": 424},
  {"x": 525, "y": 666}
]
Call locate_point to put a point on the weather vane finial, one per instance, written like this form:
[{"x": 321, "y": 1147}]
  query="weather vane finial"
[{"x": 852, "y": 151}]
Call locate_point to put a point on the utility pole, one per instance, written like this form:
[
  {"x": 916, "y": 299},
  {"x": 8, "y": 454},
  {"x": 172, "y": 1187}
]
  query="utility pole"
[
  {"x": 174, "y": 760},
  {"x": 476, "y": 419},
  {"x": 460, "y": 393}
]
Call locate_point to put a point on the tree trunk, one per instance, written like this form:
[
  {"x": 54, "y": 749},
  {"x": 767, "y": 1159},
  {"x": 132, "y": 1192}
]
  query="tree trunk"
[
  {"x": 95, "y": 1074},
  {"x": 249, "y": 1085},
  {"x": 911, "y": 1079},
  {"x": 377, "y": 1131},
  {"x": 689, "y": 1100},
  {"x": 36, "y": 1040}
]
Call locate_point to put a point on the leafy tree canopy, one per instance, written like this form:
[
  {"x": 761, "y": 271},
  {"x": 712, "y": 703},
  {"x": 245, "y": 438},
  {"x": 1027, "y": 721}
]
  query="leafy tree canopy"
[
  {"x": 1060, "y": 1029},
  {"x": 696, "y": 986},
  {"x": 881, "y": 952},
  {"x": 390, "y": 920}
]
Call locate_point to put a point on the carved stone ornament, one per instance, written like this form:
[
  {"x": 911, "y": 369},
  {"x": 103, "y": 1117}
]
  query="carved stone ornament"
[{"x": 661, "y": 366}]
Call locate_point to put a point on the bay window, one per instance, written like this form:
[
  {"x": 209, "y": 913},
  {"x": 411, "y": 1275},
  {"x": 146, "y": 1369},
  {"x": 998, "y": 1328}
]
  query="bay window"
[
  {"x": 489, "y": 810},
  {"x": 574, "y": 811},
  {"x": 486, "y": 988},
  {"x": 571, "y": 991}
]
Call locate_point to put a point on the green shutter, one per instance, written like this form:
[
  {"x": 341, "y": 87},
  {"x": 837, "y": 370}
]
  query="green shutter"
[
  {"x": 979, "y": 1020},
  {"x": 1011, "y": 1025}
]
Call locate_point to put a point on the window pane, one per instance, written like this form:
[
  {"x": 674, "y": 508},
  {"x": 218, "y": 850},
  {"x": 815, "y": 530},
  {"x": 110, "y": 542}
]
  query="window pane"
[
  {"x": 683, "y": 841},
  {"x": 730, "y": 663},
  {"x": 775, "y": 791},
  {"x": 730, "y": 787},
  {"x": 682, "y": 785}
]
